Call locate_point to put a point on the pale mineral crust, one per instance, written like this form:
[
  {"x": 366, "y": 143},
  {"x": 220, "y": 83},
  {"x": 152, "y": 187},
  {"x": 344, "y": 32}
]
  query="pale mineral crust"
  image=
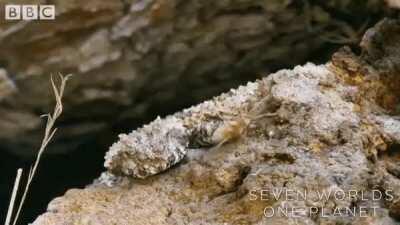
[
  {"x": 149, "y": 150},
  {"x": 336, "y": 129}
]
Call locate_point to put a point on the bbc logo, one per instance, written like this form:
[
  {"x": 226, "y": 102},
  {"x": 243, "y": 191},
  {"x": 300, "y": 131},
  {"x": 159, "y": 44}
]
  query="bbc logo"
[{"x": 30, "y": 12}]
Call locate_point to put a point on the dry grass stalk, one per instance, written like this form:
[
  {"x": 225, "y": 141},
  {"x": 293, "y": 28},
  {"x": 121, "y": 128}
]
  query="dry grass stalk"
[
  {"x": 48, "y": 135},
  {"x": 13, "y": 196}
]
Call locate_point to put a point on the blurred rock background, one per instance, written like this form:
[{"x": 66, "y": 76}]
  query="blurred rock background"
[{"x": 135, "y": 59}]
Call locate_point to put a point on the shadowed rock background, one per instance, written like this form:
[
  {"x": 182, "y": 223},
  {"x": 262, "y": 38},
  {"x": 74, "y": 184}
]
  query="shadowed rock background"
[{"x": 133, "y": 60}]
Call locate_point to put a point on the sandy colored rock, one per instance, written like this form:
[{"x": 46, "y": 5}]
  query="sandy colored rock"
[
  {"x": 326, "y": 136},
  {"x": 393, "y": 3}
]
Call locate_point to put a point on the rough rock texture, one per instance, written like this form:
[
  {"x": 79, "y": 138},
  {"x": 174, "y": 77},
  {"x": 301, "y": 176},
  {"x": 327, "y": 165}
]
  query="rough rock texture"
[
  {"x": 138, "y": 56},
  {"x": 393, "y": 3},
  {"x": 151, "y": 149},
  {"x": 335, "y": 128}
]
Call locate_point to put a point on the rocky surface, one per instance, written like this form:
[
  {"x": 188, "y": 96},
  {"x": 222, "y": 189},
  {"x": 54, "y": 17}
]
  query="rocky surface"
[
  {"x": 132, "y": 58},
  {"x": 334, "y": 128},
  {"x": 393, "y": 3}
]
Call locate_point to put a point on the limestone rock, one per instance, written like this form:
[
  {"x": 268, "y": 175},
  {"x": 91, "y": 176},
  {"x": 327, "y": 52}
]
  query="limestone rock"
[{"x": 334, "y": 129}]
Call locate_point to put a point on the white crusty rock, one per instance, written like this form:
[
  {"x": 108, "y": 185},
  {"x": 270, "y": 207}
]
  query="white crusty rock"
[
  {"x": 150, "y": 149},
  {"x": 164, "y": 142},
  {"x": 317, "y": 140}
]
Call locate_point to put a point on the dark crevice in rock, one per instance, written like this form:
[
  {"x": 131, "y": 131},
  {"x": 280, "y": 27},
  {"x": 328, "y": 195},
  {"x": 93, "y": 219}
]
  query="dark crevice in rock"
[
  {"x": 391, "y": 160},
  {"x": 278, "y": 158}
]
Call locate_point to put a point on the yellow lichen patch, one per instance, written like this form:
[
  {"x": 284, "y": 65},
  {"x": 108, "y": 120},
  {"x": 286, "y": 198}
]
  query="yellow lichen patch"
[
  {"x": 391, "y": 99},
  {"x": 357, "y": 108},
  {"x": 316, "y": 146},
  {"x": 381, "y": 90},
  {"x": 373, "y": 140},
  {"x": 246, "y": 211}
]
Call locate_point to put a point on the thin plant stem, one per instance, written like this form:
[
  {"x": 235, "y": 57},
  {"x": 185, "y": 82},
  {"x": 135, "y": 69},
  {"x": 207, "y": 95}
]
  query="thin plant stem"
[
  {"x": 13, "y": 196},
  {"x": 48, "y": 135}
]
